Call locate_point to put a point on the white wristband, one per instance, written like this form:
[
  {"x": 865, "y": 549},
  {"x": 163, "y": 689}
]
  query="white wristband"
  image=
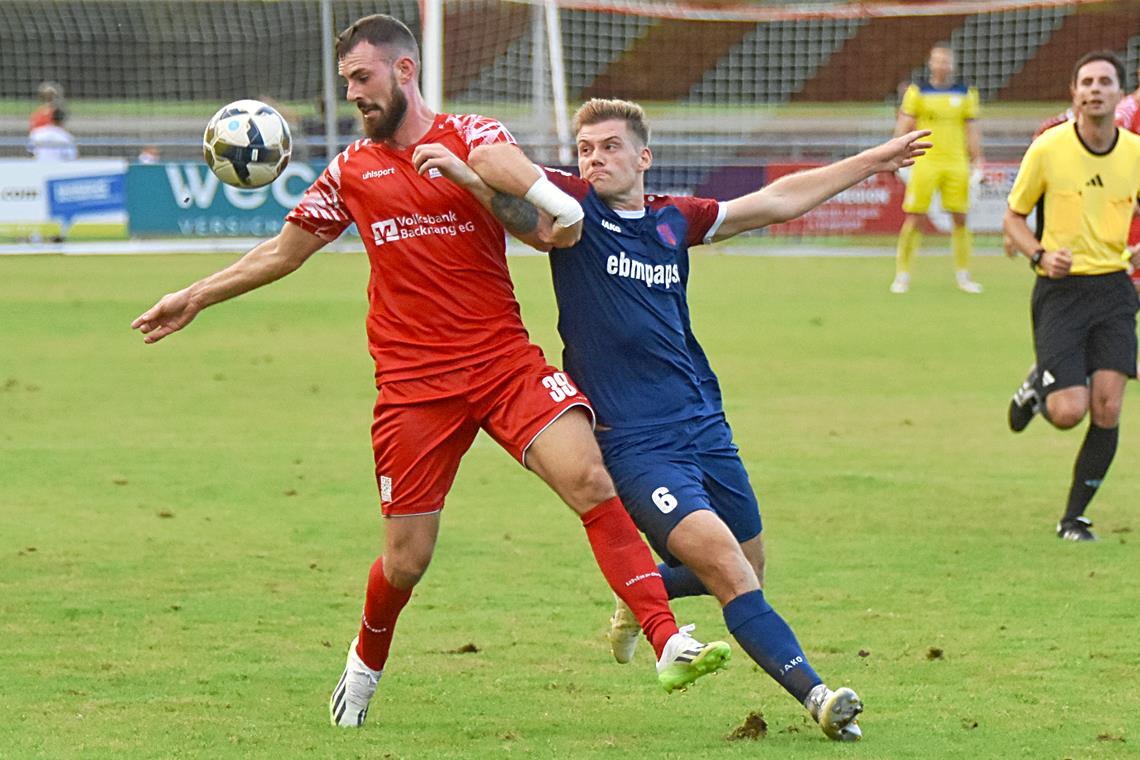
[{"x": 547, "y": 197}]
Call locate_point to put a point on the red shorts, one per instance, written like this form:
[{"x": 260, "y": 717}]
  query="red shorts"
[{"x": 421, "y": 428}]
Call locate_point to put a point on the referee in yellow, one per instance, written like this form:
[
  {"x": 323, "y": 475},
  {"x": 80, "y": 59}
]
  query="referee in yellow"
[
  {"x": 1086, "y": 174},
  {"x": 948, "y": 109}
]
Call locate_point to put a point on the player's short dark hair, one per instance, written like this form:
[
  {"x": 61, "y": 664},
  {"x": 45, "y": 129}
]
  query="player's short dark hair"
[
  {"x": 58, "y": 115},
  {"x": 380, "y": 30},
  {"x": 1100, "y": 55},
  {"x": 597, "y": 110}
]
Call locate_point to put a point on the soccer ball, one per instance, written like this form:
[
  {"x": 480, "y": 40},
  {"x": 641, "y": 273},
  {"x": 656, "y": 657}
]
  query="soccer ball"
[{"x": 247, "y": 144}]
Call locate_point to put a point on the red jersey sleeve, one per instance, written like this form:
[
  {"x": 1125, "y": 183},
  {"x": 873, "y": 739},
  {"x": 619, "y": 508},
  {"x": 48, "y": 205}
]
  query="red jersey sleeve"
[
  {"x": 1052, "y": 121},
  {"x": 1128, "y": 113},
  {"x": 321, "y": 210},
  {"x": 476, "y": 130},
  {"x": 704, "y": 216},
  {"x": 575, "y": 187}
]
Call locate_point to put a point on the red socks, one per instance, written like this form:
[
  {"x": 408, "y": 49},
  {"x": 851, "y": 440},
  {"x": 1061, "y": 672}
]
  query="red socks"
[
  {"x": 382, "y": 605},
  {"x": 630, "y": 570},
  {"x": 623, "y": 557}
]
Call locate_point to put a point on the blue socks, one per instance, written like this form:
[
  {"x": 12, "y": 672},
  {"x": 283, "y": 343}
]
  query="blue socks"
[
  {"x": 681, "y": 581},
  {"x": 769, "y": 641},
  {"x": 758, "y": 628}
]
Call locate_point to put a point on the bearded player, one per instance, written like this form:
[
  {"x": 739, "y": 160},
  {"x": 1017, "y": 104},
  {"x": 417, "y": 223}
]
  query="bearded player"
[{"x": 452, "y": 355}]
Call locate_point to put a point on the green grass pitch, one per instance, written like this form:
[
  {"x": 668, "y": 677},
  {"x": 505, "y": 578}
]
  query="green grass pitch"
[{"x": 186, "y": 528}]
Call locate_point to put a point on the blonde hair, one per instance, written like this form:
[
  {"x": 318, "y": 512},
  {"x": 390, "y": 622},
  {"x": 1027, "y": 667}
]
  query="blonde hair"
[{"x": 597, "y": 110}]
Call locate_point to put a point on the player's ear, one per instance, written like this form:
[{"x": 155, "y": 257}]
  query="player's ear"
[
  {"x": 645, "y": 160},
  {"x": 405, "y": 69}
]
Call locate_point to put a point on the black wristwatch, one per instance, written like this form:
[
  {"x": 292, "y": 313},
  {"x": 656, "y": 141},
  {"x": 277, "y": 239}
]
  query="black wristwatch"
[{"x": 1035, "y": 259}]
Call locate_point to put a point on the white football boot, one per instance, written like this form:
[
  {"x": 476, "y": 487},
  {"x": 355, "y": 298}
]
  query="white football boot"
[
  {"x": 348, "y": 705},
  {"x": 836, "y": 712},
  {"x": 624, "y": 632}
]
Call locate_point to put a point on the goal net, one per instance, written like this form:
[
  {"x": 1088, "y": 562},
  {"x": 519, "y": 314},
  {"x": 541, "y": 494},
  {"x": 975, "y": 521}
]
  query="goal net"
[
  {"x": 727, "y": 85},
  {"x": 136, "y": 71}
]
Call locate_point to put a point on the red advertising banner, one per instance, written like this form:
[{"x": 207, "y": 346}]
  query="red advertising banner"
[{"x": 874, "y": 206}]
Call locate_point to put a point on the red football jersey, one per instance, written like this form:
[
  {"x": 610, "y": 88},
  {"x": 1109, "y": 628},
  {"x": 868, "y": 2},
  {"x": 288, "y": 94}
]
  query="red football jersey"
[
  {"x": 1054, "y": 121},
  {"x": 1128, "y": 117},
  {"x": 440, "y": 295},
  {"x": 1128, "y": 113}
]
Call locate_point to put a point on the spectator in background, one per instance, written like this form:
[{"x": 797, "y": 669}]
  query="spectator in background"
[
  {"x": 51, "y": 98},
  {"x": 148, "y": 155},
  {"x": 52, "y": 142}
]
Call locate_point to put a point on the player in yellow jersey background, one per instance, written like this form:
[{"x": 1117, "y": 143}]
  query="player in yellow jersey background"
[{"x": 949, "y": 109}]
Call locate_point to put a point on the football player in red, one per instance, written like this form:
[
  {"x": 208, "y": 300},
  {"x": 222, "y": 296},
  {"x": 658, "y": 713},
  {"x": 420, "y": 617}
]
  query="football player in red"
[{"x": 452, "y": 356}]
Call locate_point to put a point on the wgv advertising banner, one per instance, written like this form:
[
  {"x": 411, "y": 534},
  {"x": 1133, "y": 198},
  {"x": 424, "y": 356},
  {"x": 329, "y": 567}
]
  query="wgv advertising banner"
[{"x": 187, "y": 200}]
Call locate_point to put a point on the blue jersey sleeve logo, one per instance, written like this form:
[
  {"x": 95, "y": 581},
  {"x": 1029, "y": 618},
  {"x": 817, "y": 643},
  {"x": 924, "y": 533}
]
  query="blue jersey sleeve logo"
[{"x": 666, "y": 234}]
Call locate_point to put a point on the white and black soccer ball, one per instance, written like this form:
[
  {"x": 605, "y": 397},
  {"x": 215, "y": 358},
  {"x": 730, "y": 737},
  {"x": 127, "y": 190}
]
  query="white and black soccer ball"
[{"x": 247, "y": 144}]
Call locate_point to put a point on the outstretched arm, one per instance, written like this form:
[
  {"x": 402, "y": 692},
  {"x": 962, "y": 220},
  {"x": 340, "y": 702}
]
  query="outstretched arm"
[
  {"x": 270, "y": 260},
  {"x": 796, "y": 194}
]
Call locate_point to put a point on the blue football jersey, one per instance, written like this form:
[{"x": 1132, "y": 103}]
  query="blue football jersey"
[{"x": 622, "y": 311}]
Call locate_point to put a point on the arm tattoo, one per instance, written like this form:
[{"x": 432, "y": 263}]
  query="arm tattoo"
[{"x": 516, "y": 214}]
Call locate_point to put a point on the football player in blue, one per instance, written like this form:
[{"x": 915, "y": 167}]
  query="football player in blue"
[{"x": 624, "y": 320}]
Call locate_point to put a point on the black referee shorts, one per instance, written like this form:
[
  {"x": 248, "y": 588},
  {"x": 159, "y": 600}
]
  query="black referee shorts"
[{"x": 1082, "y": 323}]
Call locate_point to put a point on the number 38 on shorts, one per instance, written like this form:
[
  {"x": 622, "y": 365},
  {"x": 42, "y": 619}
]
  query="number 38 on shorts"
[{"x": 559, "y": 386}]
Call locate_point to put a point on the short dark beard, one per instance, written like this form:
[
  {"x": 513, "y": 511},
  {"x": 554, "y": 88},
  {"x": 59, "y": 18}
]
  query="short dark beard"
[
  {"x": 393, "y": 116},
  {"x": 518, "y": 216}
]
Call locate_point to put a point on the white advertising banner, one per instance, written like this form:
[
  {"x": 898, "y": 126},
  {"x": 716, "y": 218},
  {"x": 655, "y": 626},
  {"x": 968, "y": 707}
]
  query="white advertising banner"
[{"x": 34, "y": 192}]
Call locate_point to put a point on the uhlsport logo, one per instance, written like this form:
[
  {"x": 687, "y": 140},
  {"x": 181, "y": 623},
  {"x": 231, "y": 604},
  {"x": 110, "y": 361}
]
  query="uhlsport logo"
[
  {"x": 418, "y": 225},
  {"x": 375, "y": 173}
]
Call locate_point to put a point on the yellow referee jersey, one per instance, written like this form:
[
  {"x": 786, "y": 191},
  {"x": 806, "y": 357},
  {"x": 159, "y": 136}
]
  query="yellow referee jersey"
[
  {"x": 1087, "y": 196},
  {"x": 944, "y": 111}
]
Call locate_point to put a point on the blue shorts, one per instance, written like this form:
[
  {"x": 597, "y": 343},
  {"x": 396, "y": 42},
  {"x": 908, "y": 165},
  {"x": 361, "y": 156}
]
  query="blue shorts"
[{"x": 663, "y": 474}]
